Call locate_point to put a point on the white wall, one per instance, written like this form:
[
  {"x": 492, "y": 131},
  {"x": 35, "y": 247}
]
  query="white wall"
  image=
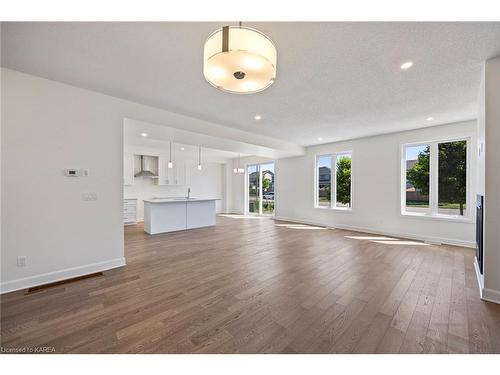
[
  {"x": 481, "y": 158},
  {"x": 491, "y": 128},
  {"x": 48, "y": 126},
  {"x": 376, "y": 187},
  {"x": 207, "y": 183}
]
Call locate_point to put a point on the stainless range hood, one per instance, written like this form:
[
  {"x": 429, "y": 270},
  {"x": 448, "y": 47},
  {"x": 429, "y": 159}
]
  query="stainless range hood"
[{"x": 145, "y": 172}]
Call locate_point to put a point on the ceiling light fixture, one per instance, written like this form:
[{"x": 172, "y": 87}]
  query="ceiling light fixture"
[
  {"x": 430, "y": 118},
  {"x": 406, "y": 65},
  {"x": 320, "y": 138},
  {"x": 239, "y": 169},
  {"x": 199, "y": 158},
  {"x": 239, "y": 60},
  {"x": 257, "y": 117},
  {"x": 170, "y": 164},
  {"x": 144, "y": 134},
  {"x": 182, "y": 148}
]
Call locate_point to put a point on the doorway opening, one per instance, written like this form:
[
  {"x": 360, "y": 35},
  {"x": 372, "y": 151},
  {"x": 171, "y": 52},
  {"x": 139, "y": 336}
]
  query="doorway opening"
[{"x": 260, "y": 189}]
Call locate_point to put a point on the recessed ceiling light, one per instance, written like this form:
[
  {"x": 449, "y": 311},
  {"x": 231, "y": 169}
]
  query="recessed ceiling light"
[
  {"x": 182, "y": 148},
  {"x": 144, "y": 134},
  {"x": 320, "y": 138},
  {"x": 406, "y": 65},
  {"x": 430, "y": 118},
  {"x": 257, "y": 117}
]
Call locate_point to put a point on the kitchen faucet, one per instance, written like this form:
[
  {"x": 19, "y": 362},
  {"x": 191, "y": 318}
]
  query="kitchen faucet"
[{"x": 189, "y": 192}]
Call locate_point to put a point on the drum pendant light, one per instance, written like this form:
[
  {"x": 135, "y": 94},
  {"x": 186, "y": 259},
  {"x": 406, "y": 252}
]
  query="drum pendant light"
[{"x": 239, "y": 60}]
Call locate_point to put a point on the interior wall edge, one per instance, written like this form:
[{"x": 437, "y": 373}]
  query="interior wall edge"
[{"x": 490, "y": 295}]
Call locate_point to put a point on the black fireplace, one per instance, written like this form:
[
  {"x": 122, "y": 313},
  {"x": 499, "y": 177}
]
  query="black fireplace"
[{"x": 479, "y": 231}]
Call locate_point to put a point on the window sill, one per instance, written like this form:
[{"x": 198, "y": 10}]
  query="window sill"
[
  {"x": 454, "y": 219},
  {"x": 338, "y": 209}
]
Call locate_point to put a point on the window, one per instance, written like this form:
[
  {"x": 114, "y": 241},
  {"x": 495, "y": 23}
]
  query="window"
[
  {"x": 260, "y": 193},
  {"x": 324, "y": 181},
  {"x": 333, "y": 190},
  {"x": 435, "y": 179},
  {"x": 417, "y": 178}
]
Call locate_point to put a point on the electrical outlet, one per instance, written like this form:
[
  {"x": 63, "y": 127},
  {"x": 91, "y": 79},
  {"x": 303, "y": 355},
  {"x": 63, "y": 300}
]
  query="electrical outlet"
[{"x": 21, "y": 261}]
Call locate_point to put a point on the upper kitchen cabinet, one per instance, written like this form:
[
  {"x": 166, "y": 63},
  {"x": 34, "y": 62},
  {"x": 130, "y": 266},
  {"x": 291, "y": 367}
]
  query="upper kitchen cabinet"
[
  {"x": 128, "y": 169},
  {"x": 172, "y": 176},
  {"x": 180, "y": 173}
]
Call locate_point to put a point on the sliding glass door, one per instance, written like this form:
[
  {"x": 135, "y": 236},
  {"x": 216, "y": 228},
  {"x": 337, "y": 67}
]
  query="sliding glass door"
[
  {"x": 253, "y": 189},
  {"x": 260, "y": 189}
]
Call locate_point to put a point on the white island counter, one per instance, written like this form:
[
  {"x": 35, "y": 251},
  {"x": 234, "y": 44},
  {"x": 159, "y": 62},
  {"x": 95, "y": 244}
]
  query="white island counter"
[{"x": 163, "y": 215}]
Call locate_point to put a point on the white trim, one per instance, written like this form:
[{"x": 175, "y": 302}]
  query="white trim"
[
  {"x": 456, "y": 219},
  {"x": 490, "y": 295},
  {"x": 333, "y": 181},
  {"x": 485, "y": 294},
  {"x": 480, "y": 280},
  {"x": 434, "y": 179},
  {"x": 246, "y": 211},
  {"x": 434, "y": 176},
  {"x": 430, "y": 239},
  {"x": 68, "y": 273}
]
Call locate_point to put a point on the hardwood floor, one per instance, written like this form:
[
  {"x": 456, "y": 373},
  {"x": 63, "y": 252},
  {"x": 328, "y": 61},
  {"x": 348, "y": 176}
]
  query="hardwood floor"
[{"x": 250, "y": 285}]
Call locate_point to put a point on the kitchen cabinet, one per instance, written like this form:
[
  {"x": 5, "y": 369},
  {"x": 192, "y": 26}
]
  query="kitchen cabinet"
[
  {"x": 175, "y": 176},
  {"x": 130, "y": 211},
  {"x": 180, "y": 173},
  {"x": 174, "y": 214},
  {"x": 128, "y": 169}
]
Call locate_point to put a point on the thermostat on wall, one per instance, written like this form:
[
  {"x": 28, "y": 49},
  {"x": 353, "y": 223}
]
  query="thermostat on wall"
[{"x": 76, "y": 172}]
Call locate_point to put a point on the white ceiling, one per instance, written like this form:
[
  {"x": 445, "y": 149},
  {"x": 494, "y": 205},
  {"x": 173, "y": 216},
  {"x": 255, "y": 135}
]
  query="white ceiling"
[
  {"x": 214, "y": 149},
  {"x": 146, "y": 146},
  {"x": 335, "y": 80}
]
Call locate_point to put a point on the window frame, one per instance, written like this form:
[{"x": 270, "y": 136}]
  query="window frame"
[
  {"x": 333, "y": 182},
  {"x": 433, "y": 213}
]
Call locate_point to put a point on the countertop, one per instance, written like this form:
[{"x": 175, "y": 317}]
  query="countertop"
[{"x": 179, "y": 200}]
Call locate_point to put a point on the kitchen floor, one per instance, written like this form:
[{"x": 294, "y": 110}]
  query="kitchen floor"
[{"x": 253, "y": 285}]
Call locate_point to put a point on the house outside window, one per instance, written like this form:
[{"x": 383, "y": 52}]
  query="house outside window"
[
  {"x": 333, "y": 190},
  {"x": 435, "y": 179}
]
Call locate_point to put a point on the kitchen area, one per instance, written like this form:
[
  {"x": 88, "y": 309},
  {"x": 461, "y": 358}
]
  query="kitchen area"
[{"x": 169, "y": 185}]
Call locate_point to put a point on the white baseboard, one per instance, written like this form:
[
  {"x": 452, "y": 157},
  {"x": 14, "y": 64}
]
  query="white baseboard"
[
  {"x": 480, "y": 280},
  {"x": 68, "y": 273},
  {"x": 490, "y": 295},
  {"x": 410, "y": 236},
  {"x": 486, "y": 294}
]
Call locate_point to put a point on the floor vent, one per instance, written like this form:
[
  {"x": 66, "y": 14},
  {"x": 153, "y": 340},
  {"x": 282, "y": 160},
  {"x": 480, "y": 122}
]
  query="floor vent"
[
  {"x": 57, "y": 283},
  {"x": 433, "y": 243}
]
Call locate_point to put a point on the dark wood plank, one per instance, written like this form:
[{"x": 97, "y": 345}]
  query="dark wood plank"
[{"x": 259, "y": 286}]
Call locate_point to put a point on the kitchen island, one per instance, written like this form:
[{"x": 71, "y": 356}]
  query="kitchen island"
[{"x": 162, "y": 215}]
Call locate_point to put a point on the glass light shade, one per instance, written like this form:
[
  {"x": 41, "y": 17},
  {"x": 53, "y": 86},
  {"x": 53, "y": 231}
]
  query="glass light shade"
[
  {"x": 238, "y": 170},
  {"x": 170, "y": 165},
  {"x": 248, "y": 65},
  {"x": 199, "y": 167}
]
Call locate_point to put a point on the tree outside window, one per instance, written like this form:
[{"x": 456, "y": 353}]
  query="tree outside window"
[{"x": 451, "y": 177}]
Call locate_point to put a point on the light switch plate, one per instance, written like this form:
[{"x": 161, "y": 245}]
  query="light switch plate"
[{"x": 21, "y": 261}]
